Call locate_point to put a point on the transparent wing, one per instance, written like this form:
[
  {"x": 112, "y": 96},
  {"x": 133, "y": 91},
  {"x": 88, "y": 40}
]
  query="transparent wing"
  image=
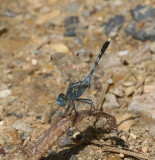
[{"x": 61, "y": 69}]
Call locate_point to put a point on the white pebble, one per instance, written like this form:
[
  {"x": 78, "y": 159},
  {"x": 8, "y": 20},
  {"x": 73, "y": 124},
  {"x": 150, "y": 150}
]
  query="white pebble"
[
  {"x": 34, "y": 62},
  {"x": 123, "y": 53},
  {"x": 5, "y": 93}
]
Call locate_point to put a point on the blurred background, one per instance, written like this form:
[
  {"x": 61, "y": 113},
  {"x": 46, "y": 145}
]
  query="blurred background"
[{"x": 31, "y": 31}]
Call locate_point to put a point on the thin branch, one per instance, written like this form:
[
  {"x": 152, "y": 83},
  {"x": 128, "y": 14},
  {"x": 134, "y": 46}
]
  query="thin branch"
[
  {"x": 104, "y": 92},
  {"x": 125, "y": 151}
]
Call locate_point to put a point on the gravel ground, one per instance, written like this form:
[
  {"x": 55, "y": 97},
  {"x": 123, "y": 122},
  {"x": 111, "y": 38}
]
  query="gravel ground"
[{"x": 33, "y": 31}]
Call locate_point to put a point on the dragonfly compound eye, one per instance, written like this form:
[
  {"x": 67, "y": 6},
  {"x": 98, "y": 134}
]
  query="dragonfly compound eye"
[{"x": 61, "y": 100}]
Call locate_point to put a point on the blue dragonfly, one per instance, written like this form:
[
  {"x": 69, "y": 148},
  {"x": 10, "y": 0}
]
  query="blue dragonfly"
[{"x": 76, "y": 89}]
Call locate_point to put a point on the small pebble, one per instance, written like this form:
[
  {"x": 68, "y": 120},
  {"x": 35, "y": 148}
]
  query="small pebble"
[
  {"x": 129, "y": 91},
  {"x": 19, "y": 125},
  {"x": 123, "y": 53},
  {"x": 60, "y": 47},
  {"x": 118, "y": 92},
  {"x": 73, "y": 157},
  {"x": 110, "y": 81},
  {"x": 70, "y": 32},
  {"x": 9, "y": 85},
  {"x": 38, "y": 117},
  {"x": 76, "y": 134},
  {"x": 144, "y": 149},
  {"x": 128, "y": 84},
  {"x": 69, "y": 133},
  {"x": 45, "y": 117},
  {"x": 20, "y": 115},
  {"x": 152, "y": 47},
  {"x": 86, "y": 13},
  {"x": 5, "y": 93},
  {"x": 11, "y": 100},
  {"x": 71, "y": 20},
  {"x": 34, "y": 62},
  {"x": 111, "y": 102},
  {"x": 100, "y": 123},
  {"x": 3, "y": 29}
]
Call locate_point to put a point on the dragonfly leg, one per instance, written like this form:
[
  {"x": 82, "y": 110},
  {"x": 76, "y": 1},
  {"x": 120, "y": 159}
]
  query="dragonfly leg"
[
  {"x": 67, "y": 109},
  {"x": 74, "y": 108},
  {"x": 88, "y": 101}
]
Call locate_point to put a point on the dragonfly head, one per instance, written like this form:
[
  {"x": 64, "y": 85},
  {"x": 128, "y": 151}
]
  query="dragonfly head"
[{"x": 61, "y": 100}]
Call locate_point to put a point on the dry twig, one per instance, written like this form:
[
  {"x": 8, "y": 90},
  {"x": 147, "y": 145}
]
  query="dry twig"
[
  {"x": 119, "y": 150},
  {"x": 36, "y": 149}
]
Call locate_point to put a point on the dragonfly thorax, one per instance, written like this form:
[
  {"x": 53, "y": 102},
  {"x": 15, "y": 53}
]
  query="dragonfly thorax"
[{"x": 75, "y": 90}]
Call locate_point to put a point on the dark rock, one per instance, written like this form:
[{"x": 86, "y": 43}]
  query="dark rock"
[
  {"x": 64, "y": 141},
  {"x": 38, "y": 117},
  {"x": 141, "y": 13},
  {"x": 20, "y": 115},
  {"x": 69, "y": 133},
  {"x": 9, "y": 85},
  {"x": 72, "y": 20},
  {"x": 3, "y": 29},
  {"x": 73, "y": 157},
  {"x": 146, "y": 32},
  {"x": 70, "y": 32},
  {"x": 113, "y": 25},
  {"x": 11, "y": 114},
  {"x": 48, "y": 75},
  {"x": 70, "y": 25},
  {"x": 142, "y": 26}
]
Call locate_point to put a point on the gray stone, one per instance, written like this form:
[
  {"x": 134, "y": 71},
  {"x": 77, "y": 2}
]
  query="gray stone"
[
  {"x": 64, "y": 141},
  {"x": 70, "y": 32},
  {"x": 71, "y": 20},
  {"x": 144, "y": 104},
  {"x": 86, "y": 13},
  {"x": 113, "y": 25},
  {"x": 19, "y": 125},
  {"x": 147, "y": 32},
  {"x": 73, "y": 157},
  {"x": 110, "y": 102},
  {"x": 141, "y": 13},
  {"x": 118, "y": 92}
]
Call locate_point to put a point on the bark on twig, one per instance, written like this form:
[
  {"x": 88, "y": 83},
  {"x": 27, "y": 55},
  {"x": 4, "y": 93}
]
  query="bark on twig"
[{"x": 36, "y": 149}]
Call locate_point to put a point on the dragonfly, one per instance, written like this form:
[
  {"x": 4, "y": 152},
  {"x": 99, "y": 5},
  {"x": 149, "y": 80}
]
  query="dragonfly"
[{"x": 76, "y": 89}]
